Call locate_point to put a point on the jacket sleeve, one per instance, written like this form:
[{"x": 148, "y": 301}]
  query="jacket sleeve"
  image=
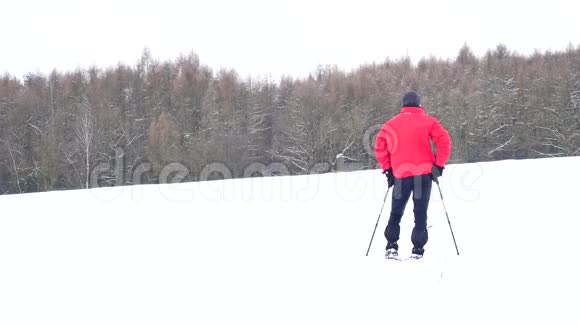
[
  {"x": 442, "y": 141},
  {"x": 381, "y": 149}
]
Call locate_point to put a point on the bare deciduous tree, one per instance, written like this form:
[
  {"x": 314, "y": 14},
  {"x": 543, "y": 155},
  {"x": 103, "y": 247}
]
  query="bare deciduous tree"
[{"x": 84, "y": 131}]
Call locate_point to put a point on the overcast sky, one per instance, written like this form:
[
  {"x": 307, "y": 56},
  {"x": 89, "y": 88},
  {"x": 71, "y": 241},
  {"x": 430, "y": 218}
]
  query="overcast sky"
[{"x": 270, "y": 37}]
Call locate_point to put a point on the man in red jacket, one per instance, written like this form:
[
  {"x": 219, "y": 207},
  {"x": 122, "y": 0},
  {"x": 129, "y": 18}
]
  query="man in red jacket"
[{"x": 403, "y": 149}]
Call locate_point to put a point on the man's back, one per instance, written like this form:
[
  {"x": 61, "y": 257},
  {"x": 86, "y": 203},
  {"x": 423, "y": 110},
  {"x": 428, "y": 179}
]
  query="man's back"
[{"x": 404, "y": 143}]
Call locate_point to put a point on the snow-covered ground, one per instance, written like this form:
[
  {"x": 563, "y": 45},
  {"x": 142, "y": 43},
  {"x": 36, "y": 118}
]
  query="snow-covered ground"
[{"x": 291, "y": 251}]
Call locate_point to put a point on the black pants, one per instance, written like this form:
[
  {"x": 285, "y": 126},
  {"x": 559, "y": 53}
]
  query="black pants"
[{"x": 420, "y": 186}]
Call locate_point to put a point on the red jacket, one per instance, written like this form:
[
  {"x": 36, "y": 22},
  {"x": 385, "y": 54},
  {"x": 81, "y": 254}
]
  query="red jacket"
[{"x": 403, "y": 143}]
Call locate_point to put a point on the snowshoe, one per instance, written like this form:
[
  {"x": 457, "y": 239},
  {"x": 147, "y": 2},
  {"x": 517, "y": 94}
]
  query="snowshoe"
[
  {"x": 415, "y": 256},
  {"x": 417, "y": 253},
  {"x": 392, "y": 254}
]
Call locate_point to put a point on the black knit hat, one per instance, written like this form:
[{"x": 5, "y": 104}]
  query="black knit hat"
[{"x": 411, "y": 99}]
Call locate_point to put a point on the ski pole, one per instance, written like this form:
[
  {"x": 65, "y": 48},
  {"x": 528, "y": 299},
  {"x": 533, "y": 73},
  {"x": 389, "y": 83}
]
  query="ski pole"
[
  {"x": 448, "y": 221},
  {"x": 375, "y": 230}
]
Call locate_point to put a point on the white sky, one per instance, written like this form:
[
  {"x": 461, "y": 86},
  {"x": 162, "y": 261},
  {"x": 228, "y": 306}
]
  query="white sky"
[{"x": 271, "y": 38}]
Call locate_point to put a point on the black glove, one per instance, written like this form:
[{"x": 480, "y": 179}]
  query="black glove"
[
  {"x": 436, "y": 172},
  {"x": 390, "y": 177}
]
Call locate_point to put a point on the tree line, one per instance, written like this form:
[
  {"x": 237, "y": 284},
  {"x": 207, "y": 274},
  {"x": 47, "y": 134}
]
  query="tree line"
[{"x": 56, "y": 129}]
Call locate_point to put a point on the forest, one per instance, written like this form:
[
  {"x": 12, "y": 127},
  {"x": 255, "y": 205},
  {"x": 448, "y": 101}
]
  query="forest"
[{"x": 180, "y": 121}]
